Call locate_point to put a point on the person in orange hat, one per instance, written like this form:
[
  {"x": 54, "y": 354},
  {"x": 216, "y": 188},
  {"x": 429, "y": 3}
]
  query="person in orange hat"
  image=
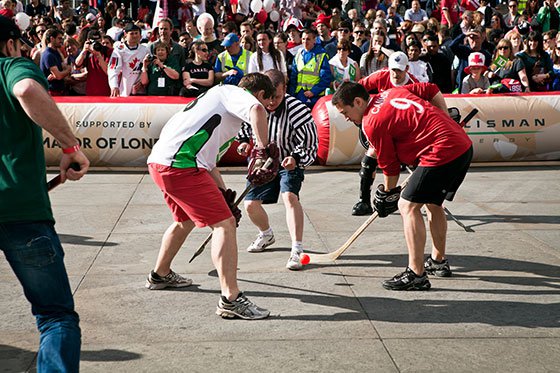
[{"x": 475, "y": 82}]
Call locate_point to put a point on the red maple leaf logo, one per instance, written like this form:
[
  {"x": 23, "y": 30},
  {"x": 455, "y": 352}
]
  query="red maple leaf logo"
[{"x": 133, "y": 63}]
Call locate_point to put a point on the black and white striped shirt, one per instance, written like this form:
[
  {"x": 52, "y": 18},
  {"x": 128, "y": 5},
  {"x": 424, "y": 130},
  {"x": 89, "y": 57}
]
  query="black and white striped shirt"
[{"x": 292, "y": 127}]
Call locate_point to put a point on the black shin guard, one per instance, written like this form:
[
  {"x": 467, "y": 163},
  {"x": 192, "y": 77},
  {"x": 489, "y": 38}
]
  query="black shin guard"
[{"x": 367, "y": 174}]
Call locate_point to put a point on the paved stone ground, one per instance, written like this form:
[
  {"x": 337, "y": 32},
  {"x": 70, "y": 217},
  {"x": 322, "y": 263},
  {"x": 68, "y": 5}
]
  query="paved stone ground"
[{"x": 500, "y": 312}]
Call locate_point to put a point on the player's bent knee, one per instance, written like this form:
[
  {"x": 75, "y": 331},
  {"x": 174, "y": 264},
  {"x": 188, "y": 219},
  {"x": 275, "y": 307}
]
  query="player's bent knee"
[
  {"x": 251, "y": 206},
  {"x": 406, "y": 207},
  {"x": 434, "y": 209},
  {"x": 226, "y": 224},
  {"x": 290, "y": 198}
]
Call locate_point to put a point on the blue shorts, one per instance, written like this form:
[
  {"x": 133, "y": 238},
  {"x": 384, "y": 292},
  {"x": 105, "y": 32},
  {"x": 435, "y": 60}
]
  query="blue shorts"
[{"x": 285, "y": 181}]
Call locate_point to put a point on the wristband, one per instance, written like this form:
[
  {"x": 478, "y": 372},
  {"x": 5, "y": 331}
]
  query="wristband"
[{"x": 71, "y": 149}]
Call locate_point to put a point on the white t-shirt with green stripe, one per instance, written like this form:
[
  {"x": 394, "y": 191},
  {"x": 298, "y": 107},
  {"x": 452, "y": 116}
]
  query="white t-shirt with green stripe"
[{"x": 199, "y": 135}]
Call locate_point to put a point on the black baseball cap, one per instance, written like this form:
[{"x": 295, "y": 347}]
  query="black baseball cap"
[
  {"x": 9, "y": 30},
  {"x": 131, "y": 27}
]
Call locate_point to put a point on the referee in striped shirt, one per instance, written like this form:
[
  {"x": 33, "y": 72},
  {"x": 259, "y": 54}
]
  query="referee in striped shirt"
[{"x": 291, "y": 126}]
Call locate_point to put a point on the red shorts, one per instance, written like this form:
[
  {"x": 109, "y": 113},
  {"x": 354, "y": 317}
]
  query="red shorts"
[{"x": 191, "y": 194}]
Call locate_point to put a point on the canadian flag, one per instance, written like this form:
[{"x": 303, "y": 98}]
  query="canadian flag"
[{"x": 161, "y": 12}]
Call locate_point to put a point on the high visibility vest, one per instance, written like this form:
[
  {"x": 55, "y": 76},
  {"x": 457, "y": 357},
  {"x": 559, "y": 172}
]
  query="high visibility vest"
[
  {"x": 308, "y": 73},
  {"x": 242, "y": 62}
]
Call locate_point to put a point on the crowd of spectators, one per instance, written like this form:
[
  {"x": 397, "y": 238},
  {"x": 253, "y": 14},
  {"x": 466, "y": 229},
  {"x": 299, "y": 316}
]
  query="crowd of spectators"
[{"x": 111, "y": 48}]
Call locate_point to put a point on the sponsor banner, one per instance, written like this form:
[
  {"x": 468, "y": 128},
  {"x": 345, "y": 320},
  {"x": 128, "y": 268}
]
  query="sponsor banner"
[
  {"x": 512, "y": 128},
  {"x": 507, "y": 128},
  {"x": 118, "y": 133},
  {"x": 122, "y": 131}
]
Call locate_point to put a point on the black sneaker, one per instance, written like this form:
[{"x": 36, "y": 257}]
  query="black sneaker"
[
  {"x": 440, "y": 269},
  {"x": 362, "y": 208},
  {"x": 408, "y": 280}
]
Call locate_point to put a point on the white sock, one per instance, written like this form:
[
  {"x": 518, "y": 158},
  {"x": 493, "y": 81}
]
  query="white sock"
[
  {"x": 297, "y": 247},
  {"x": 268, "y": 232}
]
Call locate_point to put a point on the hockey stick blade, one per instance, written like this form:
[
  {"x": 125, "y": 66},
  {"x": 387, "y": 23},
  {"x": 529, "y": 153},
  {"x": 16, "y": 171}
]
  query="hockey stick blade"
[{"x": 330, "y": 257}]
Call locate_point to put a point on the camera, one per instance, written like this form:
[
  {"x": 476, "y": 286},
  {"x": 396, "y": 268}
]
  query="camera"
[
  {"x": 151, "y": 58},
  {"x": 97, "y": 46}
]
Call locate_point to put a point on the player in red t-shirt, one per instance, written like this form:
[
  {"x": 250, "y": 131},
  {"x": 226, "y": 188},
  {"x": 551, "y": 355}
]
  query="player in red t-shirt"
[
  {"x": 411, "y": 125},
  {"x": 395, "y": 76}
]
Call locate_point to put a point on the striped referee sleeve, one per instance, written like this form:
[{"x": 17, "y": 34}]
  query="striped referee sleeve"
[
  {"x": 304, "y": 132},
  {"x": 245, "y": 133}
]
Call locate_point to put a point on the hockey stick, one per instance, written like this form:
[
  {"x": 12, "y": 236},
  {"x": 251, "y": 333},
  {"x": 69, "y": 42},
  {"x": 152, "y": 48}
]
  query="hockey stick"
[
  {"x": 327, "y": 258},
  {"x": 463, "y": 123},
  {"x": 448, "y": 213},
  {"x": 468, "y": 118},
  {"x": 202, "y": 246},
  {"x": 55, "y": 181},
  {"x": 459, "y": 223}
]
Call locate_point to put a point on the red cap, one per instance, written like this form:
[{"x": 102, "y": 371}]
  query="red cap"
[{"x": 324, "y": 19}]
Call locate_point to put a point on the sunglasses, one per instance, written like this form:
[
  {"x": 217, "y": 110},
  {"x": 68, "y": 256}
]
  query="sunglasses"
[
  {"x": 205, "y": 50},
  {"x": 503, "y": 48},
  {"x": 359, "y": 32},
  {"x": 342, "y": 49}
]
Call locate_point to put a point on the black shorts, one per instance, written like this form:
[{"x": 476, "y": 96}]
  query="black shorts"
[{"x": 434, "y": 184}]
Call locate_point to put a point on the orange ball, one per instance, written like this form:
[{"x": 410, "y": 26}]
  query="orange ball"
[{"x": 304, "y": 259}]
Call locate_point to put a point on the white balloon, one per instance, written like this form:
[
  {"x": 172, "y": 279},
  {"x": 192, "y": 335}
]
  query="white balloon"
[
  {"x": 274, "y": 16},
  {"x": 22, "y": 21},
  {"x": 256, "y": 6},
  {"x": 267, "y": 5}
]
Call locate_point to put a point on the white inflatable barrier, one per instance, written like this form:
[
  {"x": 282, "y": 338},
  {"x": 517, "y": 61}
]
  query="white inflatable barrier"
[
  {"x": 516, "y": 127},
  {"x": 118, "y": 132},
  {"x": 121, "y": 132}
]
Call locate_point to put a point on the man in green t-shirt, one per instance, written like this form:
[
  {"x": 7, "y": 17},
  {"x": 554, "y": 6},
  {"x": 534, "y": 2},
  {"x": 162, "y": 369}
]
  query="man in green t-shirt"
[{"x": 27, "y": 235}]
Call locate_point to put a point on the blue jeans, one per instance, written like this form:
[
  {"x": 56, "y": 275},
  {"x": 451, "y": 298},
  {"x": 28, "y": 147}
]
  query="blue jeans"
[{"x": 34, "y": 252}]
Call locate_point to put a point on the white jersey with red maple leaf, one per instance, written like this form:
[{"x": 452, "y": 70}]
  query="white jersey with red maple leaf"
[{"x": 125, "y": 66}]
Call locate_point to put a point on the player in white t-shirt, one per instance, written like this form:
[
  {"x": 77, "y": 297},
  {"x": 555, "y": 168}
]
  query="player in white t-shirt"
[{"x": 183, "y": 165}]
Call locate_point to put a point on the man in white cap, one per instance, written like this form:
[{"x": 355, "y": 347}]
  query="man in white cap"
[
  {"x": 395, "y": 76},
  {"x": 232, "y": 64}
]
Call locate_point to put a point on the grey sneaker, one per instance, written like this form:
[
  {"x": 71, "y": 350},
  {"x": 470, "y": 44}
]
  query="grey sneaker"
[
  {"x": 294, "y": 263},
  {"x": 240, "y": 307},
  {"x": 440, "y": 269},
  {"x": 261, "y": 242},
  {"x": 172, "y": 280}
]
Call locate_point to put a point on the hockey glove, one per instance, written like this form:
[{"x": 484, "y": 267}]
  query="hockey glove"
[
  {"x": 229, "y": 196},
  {"x": 257, "y": 175},
  {"x": 384, "y": 202}
]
